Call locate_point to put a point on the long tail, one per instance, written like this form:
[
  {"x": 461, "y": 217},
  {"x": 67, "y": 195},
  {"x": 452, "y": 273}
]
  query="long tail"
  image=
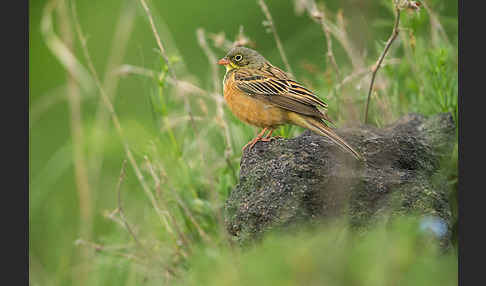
[{"x": 320, "y": 128}]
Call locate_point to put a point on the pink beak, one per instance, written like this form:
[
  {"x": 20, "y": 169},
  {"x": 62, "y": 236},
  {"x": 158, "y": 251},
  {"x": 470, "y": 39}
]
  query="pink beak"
[{"x": 223, "y": 62}]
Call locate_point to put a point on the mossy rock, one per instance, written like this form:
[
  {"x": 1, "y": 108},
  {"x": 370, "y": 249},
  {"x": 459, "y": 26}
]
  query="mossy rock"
[{"x": 308, "y": 179}]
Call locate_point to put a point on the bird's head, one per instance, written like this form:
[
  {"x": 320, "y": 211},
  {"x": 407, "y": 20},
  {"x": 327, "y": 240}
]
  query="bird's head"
[{"x": 241, "y": 57}]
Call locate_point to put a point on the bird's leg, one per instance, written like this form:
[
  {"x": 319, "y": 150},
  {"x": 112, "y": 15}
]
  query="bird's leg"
[
  {"x": 256, "y": 139},
  {"x": 269, "y": 138}
]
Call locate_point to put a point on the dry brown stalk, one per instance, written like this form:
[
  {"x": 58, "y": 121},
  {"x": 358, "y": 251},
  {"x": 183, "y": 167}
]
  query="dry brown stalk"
[
  {"x": 183, "y": 238},
  {"x": 220, "y": 41},
  {"x": 377, "y": 65},
  {"x": 114, "y": 117},
  {"x": 320, "y": 17},
  {"x": 166, "y": 59},
  {"x": 178, "y": 120},
  {"x": 124, "y": 222},
  {"x": 362, "y": 72},
  {"x": 188, "y": 212},
  {"x": 101, "y": 248},
  {"x": 338, "y": 30},
  {"x": 74, "y": 99},
  {"x": 157, "y": 187},
  {"x": 80, "y": 169},
  {"x": 352, "y": 77},
  {"x": 185, "y": 86},
  {"x": 270, "y": 24},
  {"x": 435, "y": 25},
  {"x": 120, "y": 207},
  {"x": 179, "y": 233},
  {"x": 201, "y": 37},
  {"x": 217, "y": 90},
  {"x": 123, "y": 31},
  {"x": 58, "y": 48},
  {"x": 157, "y": 38}
]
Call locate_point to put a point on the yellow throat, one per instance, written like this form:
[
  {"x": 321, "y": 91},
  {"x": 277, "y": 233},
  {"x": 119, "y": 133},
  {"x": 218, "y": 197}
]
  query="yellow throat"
[{"x": 230, "y": 66}]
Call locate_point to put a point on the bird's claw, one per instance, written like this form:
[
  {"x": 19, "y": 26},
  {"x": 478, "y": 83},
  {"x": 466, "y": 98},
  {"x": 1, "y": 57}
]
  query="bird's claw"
[
  {"x": 268, "y": 139},
  {"x": 251, "y": 143},
  {"x": 263, "y": 139}
]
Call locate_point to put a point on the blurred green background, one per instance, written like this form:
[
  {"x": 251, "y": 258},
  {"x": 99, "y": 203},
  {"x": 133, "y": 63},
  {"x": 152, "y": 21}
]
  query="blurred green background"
[{"x": 64, "y": 221}]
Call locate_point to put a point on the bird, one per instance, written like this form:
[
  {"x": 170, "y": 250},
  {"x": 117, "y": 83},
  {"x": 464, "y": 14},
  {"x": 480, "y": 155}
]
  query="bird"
[{"x": 263, "y": 95}]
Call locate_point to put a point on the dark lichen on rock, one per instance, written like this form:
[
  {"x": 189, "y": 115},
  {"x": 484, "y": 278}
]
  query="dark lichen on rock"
[{"x": 308, "y": 178}]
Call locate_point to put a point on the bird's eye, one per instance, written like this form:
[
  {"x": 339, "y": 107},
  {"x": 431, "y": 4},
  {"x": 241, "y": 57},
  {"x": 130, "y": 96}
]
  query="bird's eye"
[{"x": 238, "y": 58}]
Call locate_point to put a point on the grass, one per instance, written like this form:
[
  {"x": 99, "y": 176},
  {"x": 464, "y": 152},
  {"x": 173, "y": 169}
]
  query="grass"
[
  {"x": 158, "y": 218},
  {"x": 334, "y": 256}
]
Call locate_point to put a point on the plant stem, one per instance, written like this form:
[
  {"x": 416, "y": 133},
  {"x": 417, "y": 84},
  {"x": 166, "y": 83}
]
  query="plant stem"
[
  {"x": 275, "y": 35},
  {"x": 376, "y": 67}
]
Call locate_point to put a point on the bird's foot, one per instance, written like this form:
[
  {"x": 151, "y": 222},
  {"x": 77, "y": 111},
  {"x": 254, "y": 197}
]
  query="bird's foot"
[
  {"x": 269, "y": 136},
  {"x": 260, "y": 137},
  {"x": 272, "y": 138},
  {"x": 253, "y": 142}
]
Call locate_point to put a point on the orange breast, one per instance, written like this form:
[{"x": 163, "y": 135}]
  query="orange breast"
[{"x": 251, "y": 110}]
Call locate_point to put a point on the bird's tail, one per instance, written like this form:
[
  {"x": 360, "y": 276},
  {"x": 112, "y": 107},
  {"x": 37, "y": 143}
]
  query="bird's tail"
[{"x": 319, "y": 127}]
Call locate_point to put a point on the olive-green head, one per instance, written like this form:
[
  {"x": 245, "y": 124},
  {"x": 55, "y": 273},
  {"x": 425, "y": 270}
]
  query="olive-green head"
[{"x": 241, "y": 57}]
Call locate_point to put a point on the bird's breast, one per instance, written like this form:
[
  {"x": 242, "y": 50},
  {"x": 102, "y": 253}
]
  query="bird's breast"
[{"x": 251, "y": 110}]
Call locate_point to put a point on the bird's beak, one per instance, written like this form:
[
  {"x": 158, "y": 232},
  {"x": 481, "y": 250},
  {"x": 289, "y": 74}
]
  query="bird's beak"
[{"x": 223, "y": 62}]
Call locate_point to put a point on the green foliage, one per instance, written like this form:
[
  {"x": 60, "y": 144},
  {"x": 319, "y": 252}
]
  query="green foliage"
[
  {"x": 190, "y": 168},
  {"x": 430, "y": 87},
  {"x": 396, "y": 253}
]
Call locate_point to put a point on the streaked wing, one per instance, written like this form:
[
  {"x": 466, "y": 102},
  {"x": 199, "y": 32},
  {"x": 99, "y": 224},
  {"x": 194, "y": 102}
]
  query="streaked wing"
[
  {"x": 292, "y": 105},
  {"x": 273, "y": 85}
]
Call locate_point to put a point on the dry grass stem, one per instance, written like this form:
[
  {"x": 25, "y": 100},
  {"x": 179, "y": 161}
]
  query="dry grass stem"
[
  {"x": 74, "y": 99},
  {"x": 320, "y": 17},
  {"x": 364, "y": 71},
  {"x": 406, "y": 40},
  {"x": 187, "y": 105},
  {"x": 270, "y": 24},
  {"x": 184, "y": 86},
  {"x": 157, "y": 38},
  {"x": 123, "y": 221},
  {"x": 120, "y": 208},
  {"x": 242, "y": 39},
  {"x": 201, "y": 37},
  {"x": 60, "y": 51},
  {"x": 123, "y": 31},
  {"x": 181, "y": 235},
  {"x": 175, "y": 229},
  {"x": 435, "y": 25},
  {"x": 174, "y": 121},
  {"x": 126, "y": 69},
  {"x": 113, "y": 217},
  {"x": 188, "y": 213},
  {"x": 114, "y": 117},
  {"x": 80, "y": 167},
  {"x": 101, "y": 248},
  {"x": 220, "y": 41},
  {"x": 217, "y": 89},
  {"x": 339, "y": 31},
  {"x": 352, "y": 77},
  {"x": 377, "y": 65},
  {"x": 157, "y": 187}
]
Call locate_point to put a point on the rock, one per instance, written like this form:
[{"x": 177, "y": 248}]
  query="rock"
[{"x": 308, "y": 178}]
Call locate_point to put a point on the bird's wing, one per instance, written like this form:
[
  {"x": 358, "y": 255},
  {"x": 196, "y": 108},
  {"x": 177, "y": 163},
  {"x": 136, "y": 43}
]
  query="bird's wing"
[{"x": 272, "y": 85}]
